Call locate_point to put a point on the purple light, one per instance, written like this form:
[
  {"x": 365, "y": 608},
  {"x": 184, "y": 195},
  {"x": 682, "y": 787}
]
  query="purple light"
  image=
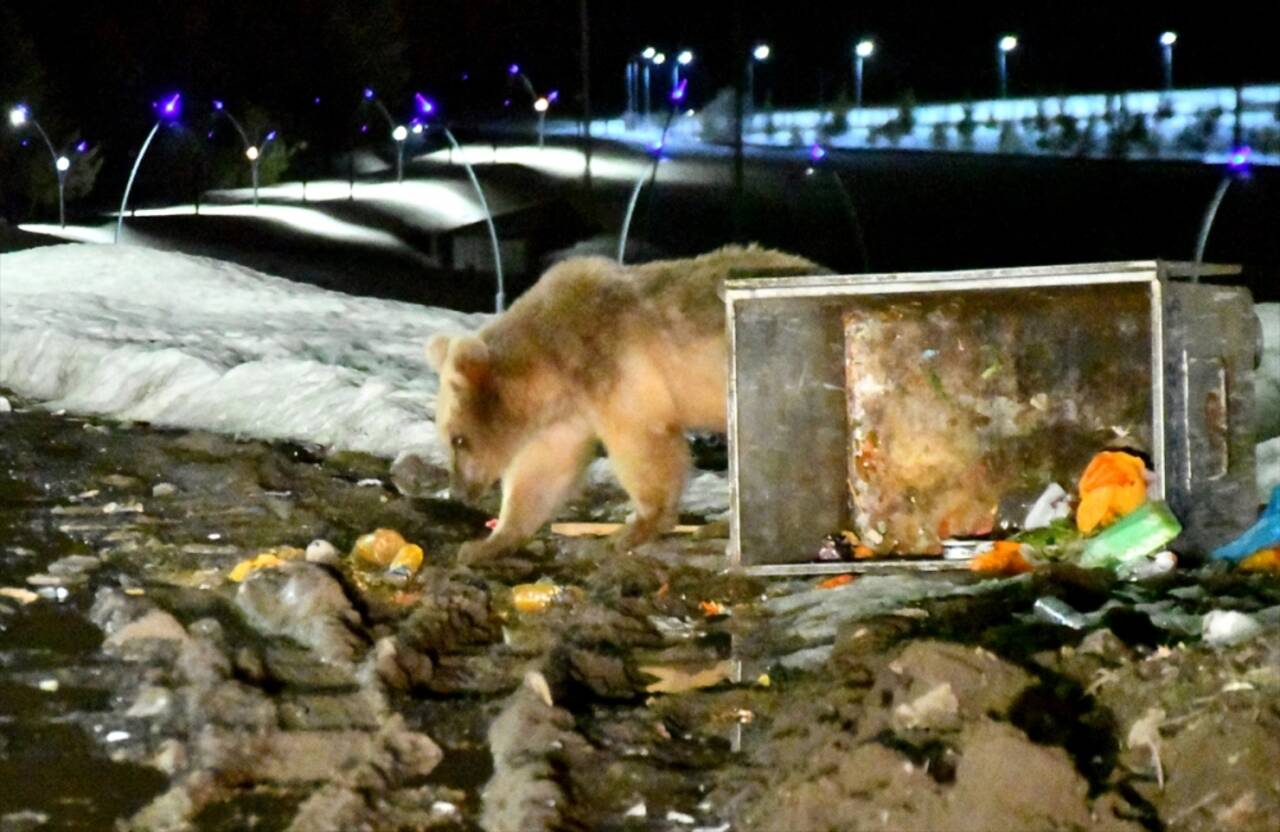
[
  {"x": 425, "y": 105},
  {"x": 514, "y": 69},
  {"x": 211, "y": 134},
  {"x": 82, "y": 147},
  {"x": 364, "y": 128},
  {"x": 316, "y": 100},
  {"x": 25, "y": 142},
  {"x": 172, "y": 107},
  {"x": 217, "y": 105},
  {"x": 506, "y": 102},
  {"x": 270, "y": 137},
  {"x": 466, "y": 76},
  {"x": 677, "y": 95},
  {"x": 1240, "y": 158},
  {"x": 656, "y": 147},
  {"x": 368, "y": 92},
  {"x": 552, "y": 96},
  {"x": 817, "y": 152}
]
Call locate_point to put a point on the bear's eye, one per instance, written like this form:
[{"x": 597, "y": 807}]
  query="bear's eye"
[{"x": 460, "y": 443}]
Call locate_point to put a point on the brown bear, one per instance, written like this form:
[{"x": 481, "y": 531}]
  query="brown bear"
[{"x": 628, "y": 356}]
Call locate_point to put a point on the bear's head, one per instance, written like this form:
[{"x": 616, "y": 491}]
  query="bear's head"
[{"x": 469, "y": 415}]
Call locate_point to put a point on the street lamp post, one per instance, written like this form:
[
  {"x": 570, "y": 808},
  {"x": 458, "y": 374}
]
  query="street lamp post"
[
  {"x": 168, "y": 110},
  {"x": 398, "y": 131},
  {"x": 1167, "y": 40},
  {"x": 19, "y": 117},
  {"x": 252, "y": 152},
  {"x": 646, "y": 57},
  {"x": 861, "y": 52},
  {"x": 1004, "y": 46},
  {"x": 760, "y": 53},
  {"x": 682, "y": 60}
]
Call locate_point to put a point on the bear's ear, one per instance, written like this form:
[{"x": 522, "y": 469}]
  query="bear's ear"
[
  {"x": 471, "y": 358},
  {"x": 437, "y": 350}
]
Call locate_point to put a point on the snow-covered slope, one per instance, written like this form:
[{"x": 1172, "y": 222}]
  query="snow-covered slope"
[{"x": 187, "y": 341}]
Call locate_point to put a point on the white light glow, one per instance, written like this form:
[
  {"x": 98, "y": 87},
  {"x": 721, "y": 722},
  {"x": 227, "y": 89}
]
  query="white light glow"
[
  {"x": 648, "y": 53},
  {"x": 18, "y": 116},
  {"x": 1168, "y": 38},
  {"x": 865, "y": 48},
  {"x": 685, "y": 58},
  {"x": 541, "y": 105},
  {"x": 417, "y": 129},
  {"x": 1008, "y": 43},
  {"x": 400, "y": 133},
  {"x": 63, "y": 164},
  {"x": 659, "y": 59},
  {"x": 423, "y": 204},
  {"x": 251, "y": 153},
  {"x": 761, "y": 52}
]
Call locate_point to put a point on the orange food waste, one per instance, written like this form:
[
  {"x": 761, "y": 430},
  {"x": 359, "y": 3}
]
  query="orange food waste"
[
  {"x": 712, "y": 608},
  {"x": 1005, "y": 558},
  {"x": 838, "y": 580},
  {"x": 1264, "y": 560},
  {"x": 1113, "y": 485}
]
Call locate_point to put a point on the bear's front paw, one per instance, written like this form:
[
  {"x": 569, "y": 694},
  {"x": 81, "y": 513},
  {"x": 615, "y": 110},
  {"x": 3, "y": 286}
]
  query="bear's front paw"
[{"x": 478, "y": 551}]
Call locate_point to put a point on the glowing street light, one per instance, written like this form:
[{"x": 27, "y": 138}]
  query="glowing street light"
[
  {"x": 1004, "y": 46},
  {"x": 167, "y": 110},
  {"x": 865, "y": 49},
  {"x": 1167, "y": 40},
  {"x": 19, "y": 117},
  {"x": 251, "y": 153},
  {"x": 394, "y": 128},
  {"x": 650, "y": 56},
  {"x": 400, "y": 133},
  {"x": 683, "y": 59},
  {"x": 760, "y": 54}
]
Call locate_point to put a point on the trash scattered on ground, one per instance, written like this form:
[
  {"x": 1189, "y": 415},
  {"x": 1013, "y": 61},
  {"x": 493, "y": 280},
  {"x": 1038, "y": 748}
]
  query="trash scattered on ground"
[
  {"x": 1267, "y": 560},
  {"x": 49, "y": 685},
  {"x": 711, "y": 609},
  {"x": 1226, "y": 627},
  {"x": 269, "y": 559},
  {"x": 164, "y": 489},
  {"x": 1003, "y": 558},
  {"x": 1264, "y": 534},
  {"x": 1144, "y": 531},
  {"x": 1054, "y": 503},
  {"x": 379, "y": 547},
  {"x": 1145, "y": 568},
  {"x": 838, "y": 580},
  {"x": 1057, "y": 611},
  {"x": 1112, "y": 486},
  {"x": 322, "y": 551},
  {"x": 123, "y": 508},
  {"x": 680, "y": 817},
  {"x": 937, "y": 708},
  {"x": 407, "y": 562},
  {"x": 537, "y": 597},
  {"x": 5, "y": 407},
  {"x": 763, "y": 680},
  {"x": 637, "y": 811},
  {"x": 676, "y": 680}
]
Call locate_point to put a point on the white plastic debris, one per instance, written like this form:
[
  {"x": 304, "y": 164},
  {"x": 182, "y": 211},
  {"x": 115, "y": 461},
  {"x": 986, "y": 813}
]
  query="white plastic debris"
[
  {"x": 117, "y": 736},
  {"x": 1145, "y": 733},
  {"x": 164, "y": 489},
  {"x": 22, "y": 596},
  {"x": 1225, "y": 627},
  {"x": 680, "y": 817},
  {"x": 637, "y": 811},
  {"x": 5, "y": 407},
  {"x": 322, "y": 551},
  {"x": 369, "y": 482},
  {"x": 1053, "y": 504},
  {"x": 444, "y": 808},
  {"x": 1160, "y": 563},
  {"x": 48, "y": 685}
]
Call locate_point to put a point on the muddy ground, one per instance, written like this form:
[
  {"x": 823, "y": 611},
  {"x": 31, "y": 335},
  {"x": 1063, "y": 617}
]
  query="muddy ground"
[{"x": 142, "y": 689}]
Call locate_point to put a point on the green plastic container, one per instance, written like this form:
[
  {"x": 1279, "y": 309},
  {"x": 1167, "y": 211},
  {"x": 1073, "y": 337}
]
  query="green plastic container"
[{"x": 1143, "y": 532}]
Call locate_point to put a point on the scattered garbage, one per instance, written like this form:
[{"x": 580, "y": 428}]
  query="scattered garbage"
[
  {"x": 605, "y": 529},
  {"x": 837, "y": 581},
  {"x": 269, "y": 559},
  {"x": 322, "y": 551},
  {"x": 676, "y": 680},
  {"x": 164, "y": 489},
  {"x": 1264, "y": 534},
  {"x": 937, "y": 708},
  {"x": 22, "y": 596},
  {"x": 1057, "y": 611},
  {"x": 1146, "y": 568},
  {"x": 1223, "y": 628},
  {"x": 1112, "y": 486},
  {"x": 5, "y": 407},
  {"x": 48, "y": 685},
  {"x": 1268, "y": 560},
  {"x": 407, "y": 562},
  {"x": 379, "y": 547},
  {"x": 637, "y": 811},
  {"x": 680, "y": 817},
  {"x": 1054, "y": 503},
  {"x": 1144, "y": 531},
  {"x": 711, "y": 609},
  {"x": 117, "y": 736},
  {"x": 537, "y": 597},
  {"x": 1003, "y": 558}
]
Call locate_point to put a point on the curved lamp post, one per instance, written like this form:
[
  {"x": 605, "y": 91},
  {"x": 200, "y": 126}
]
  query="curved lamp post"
[
  {"x": 426, "y": 108},
  {"x": 398, "y": 131},
  {"x": 1004, "y": 46},
  {"x": 252, "y": 152},
  {"x": 759, "y": 54},
  {"x": 865, "y": 49},
  {"x": 167, "y": 110},
  {"x": 1237, "y": 168},
  {"x": 677, "y": 101},
  {"x": 19, "y": 117}
]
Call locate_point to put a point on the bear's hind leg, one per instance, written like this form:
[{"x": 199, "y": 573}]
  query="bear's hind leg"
[
  {"x": 541, "y": 476},
  {"x": 651, "y": 465}
]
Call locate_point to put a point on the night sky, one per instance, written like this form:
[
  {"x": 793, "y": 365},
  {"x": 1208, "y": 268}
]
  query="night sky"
[{"x": 99, "y": 66}]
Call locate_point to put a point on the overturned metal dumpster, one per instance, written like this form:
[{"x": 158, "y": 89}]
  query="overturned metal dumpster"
[{"x": 925, "y": 412}]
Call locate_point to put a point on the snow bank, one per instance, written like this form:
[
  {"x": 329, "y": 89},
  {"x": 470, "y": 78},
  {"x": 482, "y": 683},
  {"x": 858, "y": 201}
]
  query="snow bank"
[
  {"x": 191, "y": 342},
  {"x": 184, "y": 341}
]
